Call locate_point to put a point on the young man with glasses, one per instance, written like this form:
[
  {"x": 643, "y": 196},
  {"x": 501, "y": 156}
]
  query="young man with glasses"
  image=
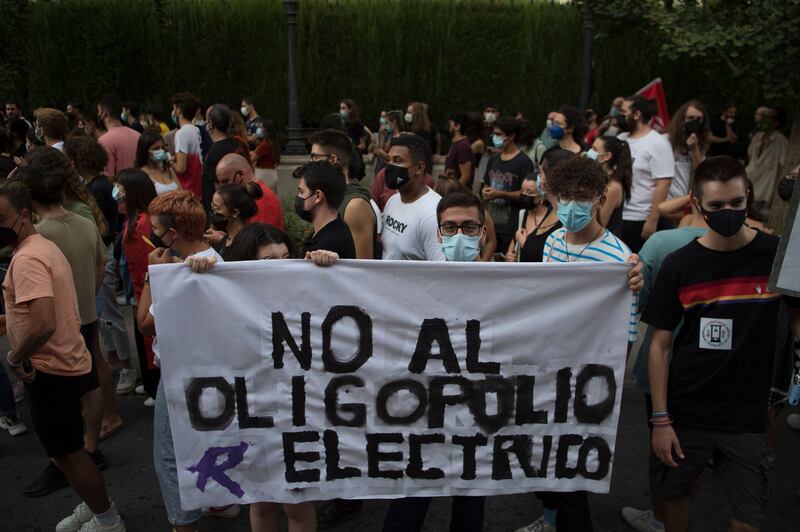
[{"x": 460, "y": 216}]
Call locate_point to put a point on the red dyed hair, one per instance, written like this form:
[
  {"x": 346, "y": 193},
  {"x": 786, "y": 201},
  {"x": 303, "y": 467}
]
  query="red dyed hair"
[{"x": 182, "y": 211}]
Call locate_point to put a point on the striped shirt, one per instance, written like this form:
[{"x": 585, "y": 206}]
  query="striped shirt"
[{"x": 606, "y": 248}]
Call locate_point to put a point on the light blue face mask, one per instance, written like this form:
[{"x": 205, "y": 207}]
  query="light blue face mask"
[
  {"x": 591, "y": 154},
  {"x": 344, "y": 113},
  {"x": 498, "y": 142},
  {"x": 389, "y": 128},
  {"x": 383, "y": 120},
  {"x": 574, "y": 215},
  {"x": 460, "y": 247}
]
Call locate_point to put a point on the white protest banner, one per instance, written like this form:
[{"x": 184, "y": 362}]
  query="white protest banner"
[{"x": 291, "y": 382}]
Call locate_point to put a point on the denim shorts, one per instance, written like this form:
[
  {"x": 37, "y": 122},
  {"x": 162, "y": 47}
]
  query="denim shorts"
[{"x": 166, "y": 469}]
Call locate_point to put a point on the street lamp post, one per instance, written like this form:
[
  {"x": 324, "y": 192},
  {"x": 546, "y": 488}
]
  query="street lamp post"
[{"x": 296, "y": 144}]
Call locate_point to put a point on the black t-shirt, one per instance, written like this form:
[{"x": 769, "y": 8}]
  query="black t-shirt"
[
  {"x": 217, "y": 151},
  {"x": 334, "y": 237},
  {"x": 719, "y": 129},
  {"x": 101, "y": 188},
  {"x": 721, "y": 368},
  {"x": 506, "y": 176},
  {"x": 429, "y": 136}
]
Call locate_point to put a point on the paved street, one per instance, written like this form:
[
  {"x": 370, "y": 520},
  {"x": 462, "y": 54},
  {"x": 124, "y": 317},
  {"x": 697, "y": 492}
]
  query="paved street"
[{"x": 133, "y": 485}]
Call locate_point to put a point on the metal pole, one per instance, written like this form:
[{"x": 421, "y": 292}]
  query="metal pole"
[{"x": 296, "y": 144}]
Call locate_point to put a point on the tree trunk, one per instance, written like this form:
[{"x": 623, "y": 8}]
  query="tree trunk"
[{"x": 586, "y": 55}]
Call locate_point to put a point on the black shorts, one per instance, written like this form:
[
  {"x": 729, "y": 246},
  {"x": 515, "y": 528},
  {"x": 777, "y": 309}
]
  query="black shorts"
[
  {"x": 740, "y": 471},
  {"x": 89, "y": 331},
  {"x": 55, "y": 404}
]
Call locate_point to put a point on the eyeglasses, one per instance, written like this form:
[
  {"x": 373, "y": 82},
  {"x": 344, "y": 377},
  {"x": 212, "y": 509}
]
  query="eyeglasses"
[
  {"x": 319, "y": 156},
  {"x": 467, "y": 228}
]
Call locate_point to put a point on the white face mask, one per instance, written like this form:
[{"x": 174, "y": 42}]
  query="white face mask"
[
  {"x": 490, "y": 118},
  {"x": 244, "y": 111},
  {"x": 408, "y": 118}
]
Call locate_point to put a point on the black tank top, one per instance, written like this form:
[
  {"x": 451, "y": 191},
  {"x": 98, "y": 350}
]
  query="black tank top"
[{"x": 533, "y": 250}]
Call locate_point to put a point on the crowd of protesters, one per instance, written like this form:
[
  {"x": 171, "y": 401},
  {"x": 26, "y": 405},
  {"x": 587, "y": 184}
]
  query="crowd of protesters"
[{"x": 93, "y": 195}]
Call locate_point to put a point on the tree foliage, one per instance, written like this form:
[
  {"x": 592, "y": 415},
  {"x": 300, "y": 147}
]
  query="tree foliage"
[{"x": 757, "y": 40}]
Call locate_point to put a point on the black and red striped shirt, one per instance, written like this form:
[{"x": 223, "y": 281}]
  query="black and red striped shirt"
[{"x": 721, "y": 367}]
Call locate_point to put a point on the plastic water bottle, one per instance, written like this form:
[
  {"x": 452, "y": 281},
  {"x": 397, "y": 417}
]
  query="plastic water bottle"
[{"x": 794, "y": 392}]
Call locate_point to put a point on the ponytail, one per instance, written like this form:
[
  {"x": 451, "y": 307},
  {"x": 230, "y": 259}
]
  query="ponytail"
[{"x": 621, "y": 163}]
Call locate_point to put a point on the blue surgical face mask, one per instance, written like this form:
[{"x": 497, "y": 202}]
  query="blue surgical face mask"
[
  {"x": 574, "y": 215},
  {"x": 389, "y": 128},
  {"x": 460, "y": 247},
  {"x": 344, "y": 113},
  {"x": 123, "y": 117},
  {"x": 498, "y": 142},
  {"x": 174, "y": 117},
  {"x": 591, "y": 154},
  {"x": 556, "y": 131},
  {"x": 383, "y": 120},
  {"x": 159, "y": 155}
]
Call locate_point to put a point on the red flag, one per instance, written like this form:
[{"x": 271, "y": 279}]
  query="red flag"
[{"x": 655, "y": 91}]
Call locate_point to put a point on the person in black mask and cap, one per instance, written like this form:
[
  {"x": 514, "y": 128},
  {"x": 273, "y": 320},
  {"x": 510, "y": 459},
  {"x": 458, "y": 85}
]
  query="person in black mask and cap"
[{"x": 320, "y": 191}]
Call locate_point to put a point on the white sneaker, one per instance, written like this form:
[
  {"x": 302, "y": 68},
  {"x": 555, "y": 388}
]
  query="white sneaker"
[
  {"x": 794, "y": 421},
  {"x": 139, "y": 390},
  {"x": 149, "y": 402},
  {"x": 14, "y": 426},
  {"x": 94, "y": 526},
  {"x": 232, "y": 510},
  {"x": 79, "y": 517},
  {"x": 127, "y": 381},
  {"x": 82, "y": 517},
  {"x": 537, "y": 526},
  {"x": 642, "y": 520}
]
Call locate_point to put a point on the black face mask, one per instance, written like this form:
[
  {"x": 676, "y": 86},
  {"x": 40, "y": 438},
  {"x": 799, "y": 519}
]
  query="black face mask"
[
  {"x": 9, "y": 235},
  {"x": 219, "y": 221},
  {"x": 785, "y": 188},
  {"x": 158, "y": 242},
  {"x": 694, "y": 126},
  {"x": 396, "y": 176},
  {"x": 725, "y": 222},
  {"x": 627, "y": 124},
  {"x": 527, "y": 202},
  {"x": 300, "y": 209}
]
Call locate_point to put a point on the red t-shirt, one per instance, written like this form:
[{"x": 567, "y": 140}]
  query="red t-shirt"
[
  {"x": 136, "y": 252},
  {"x": 381, "y": 194},
  {"x": 265, "y": 158},
  {"x": 269, "y": 207}
]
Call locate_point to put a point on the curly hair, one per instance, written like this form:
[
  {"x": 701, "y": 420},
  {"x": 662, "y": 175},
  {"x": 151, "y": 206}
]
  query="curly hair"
[
  {"x": 86, "y": 154},
  {"x": 74, "y": 191},
  {"x": 577, "y": 178},
  {"x": 182, "y": 211}
]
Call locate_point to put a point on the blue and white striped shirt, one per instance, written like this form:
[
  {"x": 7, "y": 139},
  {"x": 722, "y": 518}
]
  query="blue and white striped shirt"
[{"x": 607, "y": 248}]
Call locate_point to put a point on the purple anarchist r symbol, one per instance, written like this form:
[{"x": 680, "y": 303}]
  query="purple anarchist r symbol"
[{"x": 207, "y": 467}]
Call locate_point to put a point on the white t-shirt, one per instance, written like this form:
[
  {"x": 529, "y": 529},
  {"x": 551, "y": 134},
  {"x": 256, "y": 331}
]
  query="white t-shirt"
[
  {"x": 187, "y": 140},
  {"x": 683, "y": 173},
  {"x": 652, "y": 160},
  {"x": 409, "y": 229},
  {"x": 210, "y": 252}
]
